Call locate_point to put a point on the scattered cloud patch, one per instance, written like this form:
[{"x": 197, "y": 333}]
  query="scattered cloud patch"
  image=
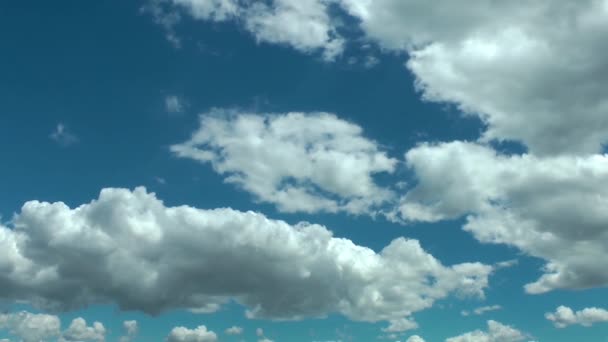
[
  {"x": 300, "y": 162},
  {"x": 303, "y": 25},
  {"x": 31, "y": 327},
  {"x": 131, "y": 329},
  {"x": 415, "y": 338},
  {"x": 174, "y": 104},
  {"x": 497, "y": 332},
  {"x": 565, "y": 316},
  {"x": 200, "y": 334},
  {"x": 62, "y": 135},
  {"x": 482, "y": 310},
  {"x": 234, "y": 330},
  {"x": 79, "y": 331}
]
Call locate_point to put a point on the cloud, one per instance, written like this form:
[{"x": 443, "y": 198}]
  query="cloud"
[
  {"x": 152, "y": 258},
  {"x": 399, "y": 325},
  {"x": 481, "y": 310},
  {"x": 234, "y": 330},
  {"x": 515, "y": 71},
  {"x": 549, "y": 207},
  {"x": 31, "y": 327},
  {"x": 415, "y": 338},
  {"x": 200, "y": 334},
  {"x": 564, "y": 316},
  {"x": 79, "y": 331},
  {"x": 301, "y": 162},
  {"x": 304, "y": 25},
  {"x": 174, "y": 104},
  {"x": 63, "y": 136},
  {"x": 497, "y": 332},
  {"x": 131, "y": 328}
]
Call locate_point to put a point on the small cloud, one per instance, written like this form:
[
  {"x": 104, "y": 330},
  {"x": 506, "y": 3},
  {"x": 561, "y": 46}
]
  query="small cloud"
[
  {"x": 173, "y": 104},
  {"x": 234, "y": 330},
  {"x": 371, "y": 61},
  {"x": 506, "y": 264},
  {"x": 160, "y": 180},
  {"x": 481, "y": 310},
  {"x": 63, "y": 136}
]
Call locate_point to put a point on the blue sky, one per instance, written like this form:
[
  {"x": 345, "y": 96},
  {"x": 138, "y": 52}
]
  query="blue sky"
[{"x": 341, "y": 170}]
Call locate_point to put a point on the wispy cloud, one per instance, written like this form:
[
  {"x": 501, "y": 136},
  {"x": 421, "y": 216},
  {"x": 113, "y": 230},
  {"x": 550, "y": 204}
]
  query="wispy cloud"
[
  {"x": 63, "y": 136},
  {"x": 174, "y": 104}
]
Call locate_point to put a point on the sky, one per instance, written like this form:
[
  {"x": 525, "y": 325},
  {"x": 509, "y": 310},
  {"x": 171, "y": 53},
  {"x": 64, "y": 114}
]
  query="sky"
[{"x": 303, "y": 170}]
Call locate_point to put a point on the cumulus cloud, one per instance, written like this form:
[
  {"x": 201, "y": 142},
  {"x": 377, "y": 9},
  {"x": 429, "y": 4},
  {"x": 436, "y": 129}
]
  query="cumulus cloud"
[
  {"x": 496, "y": 332},
  {"x": 152, "y": 258},
  {"x": 415, "y": 338},
  {"x": 549, "y": 207},
  {"x": 304, "y": 25},
  {"x": 131, "y": 328},
  {"x": 200, "y": 334},
  {"x": 565, "y": 316},
  {"x": 301, "y": 162},
  {"x": 234, "y": 330},
  {"x": 79, "y": 331},
  {"x": 31, "y": 327},
  {"x": 515, "y": 71}
]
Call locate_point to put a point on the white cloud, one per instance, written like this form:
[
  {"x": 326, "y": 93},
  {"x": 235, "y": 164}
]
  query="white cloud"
[
  {"x": 549, "y": 207},
  {"x": 399, "y": 325},
  {"x": 482, "y": 310},
  {"x": 131, "y": 328},
  {"x": 565, "y": 316},
  {"x": 496, "y": 332},
  {"x": 305, "y": 25},
  {"x": 259, "y": 332},
  {"x": 174, "y": 104},
  {"x": 63, "y": 136},
  {"x": 31, "y": 327},
  {"x": 415, "y": 338},
  {"x": 200, "y": 334},
  {"x": 307, "y": 162},
  {"x": 515, "y": 70},
  {"x": 234, "y": 330},
  {"x": 79, "y": 331},
  {"x": 151, "y": 257}
]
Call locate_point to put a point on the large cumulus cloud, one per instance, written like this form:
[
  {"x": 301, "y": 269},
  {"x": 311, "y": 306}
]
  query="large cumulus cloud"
[
  {"x": 549, "y": 207},
  {"x": 128, "y": 248}
]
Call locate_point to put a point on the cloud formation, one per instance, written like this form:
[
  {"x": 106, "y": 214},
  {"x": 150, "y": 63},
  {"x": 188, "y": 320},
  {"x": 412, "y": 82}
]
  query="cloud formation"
[
  {"x": 565, "y": 316},
  {"x": 497, "y": 332},
  {"x": 234, "y": 330},
  {"x": 304, "y": 25},
  {"x": 200, "y": 334},
  {"x": 150, "y": 257},
  {"x": 549, "y": 207},
  {"x": 79, "y": 331},
  {"x": 481, "y": 310},
  {"x": 131, "y": 329},
  {"x": 301, "y": 162},
  {"x": 30, "y": 327},
  {"x": 527, "y": 74}
]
